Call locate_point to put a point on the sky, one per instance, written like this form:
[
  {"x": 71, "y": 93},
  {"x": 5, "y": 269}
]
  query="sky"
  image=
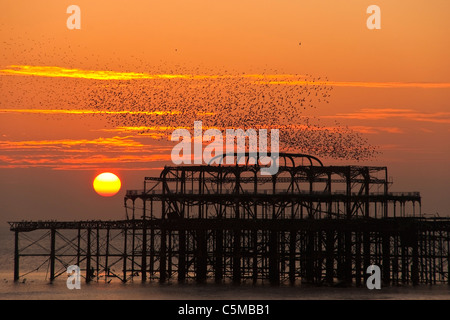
[{"x": 76, "y": 103}]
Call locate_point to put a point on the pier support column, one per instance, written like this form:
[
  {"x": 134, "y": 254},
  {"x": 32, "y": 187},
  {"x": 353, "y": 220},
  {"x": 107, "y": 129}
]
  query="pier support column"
[
  {"x": 310, "y": 256},
  {"x": 201, "y": 256},
  {"x": 348, "y": 257},
  {"x": 367, "y": 254},
  {"x": 415, "y": 262},
  {"x": 52, "y": 254},
  {"x": 386, "y": 244},
  {"x": 133, "y": 250},
  {"x": 448, "y": 257},
  {"x": 144, "y": 254},
  {"x": 16, "y": 255},
  {"x": 358, "y": 269},
  {"x": 182, "y": 256},
  {"x": 97, "y": 254},
  {"x": 79, "y": 246},
  {"x": 219, "y": 257},
  {"x": 124, "y": 255},
  {"x": 107, "y": 255},
  {"x": 274, "y": 266},
  {"x": 152, "y": 251},
  {"x": 340, "y": 256},
  {"x": 292, "y": 247},
  {"x": 88, "y": 257},
  {"x": 330, "y": 256},
  {"x": 162, "y": 257},
  {"x": 237, "y": 256},
  {"x": 404, "y": 250}
]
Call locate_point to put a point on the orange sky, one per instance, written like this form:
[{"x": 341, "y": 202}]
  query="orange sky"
[{"x": 390, "y": 85}]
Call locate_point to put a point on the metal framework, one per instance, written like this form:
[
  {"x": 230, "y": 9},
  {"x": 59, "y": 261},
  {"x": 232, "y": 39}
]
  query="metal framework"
[{"x": 309, "y": 222}]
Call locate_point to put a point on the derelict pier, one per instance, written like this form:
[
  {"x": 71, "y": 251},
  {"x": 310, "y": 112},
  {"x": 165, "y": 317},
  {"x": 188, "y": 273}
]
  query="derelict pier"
[{"x": 309, "y": 223}]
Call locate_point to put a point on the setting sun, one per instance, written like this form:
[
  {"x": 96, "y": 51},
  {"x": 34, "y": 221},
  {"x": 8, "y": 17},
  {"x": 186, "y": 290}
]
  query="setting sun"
[{"x": 107, "y": 184}]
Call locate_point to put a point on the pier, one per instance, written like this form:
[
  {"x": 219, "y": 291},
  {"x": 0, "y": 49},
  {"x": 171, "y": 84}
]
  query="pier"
[{"x": 309, "y": 223}]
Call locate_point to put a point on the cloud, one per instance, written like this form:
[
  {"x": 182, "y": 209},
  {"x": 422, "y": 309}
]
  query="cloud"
[
  {"x": 126, "y": 142},
  {"x": 119, "y": 152},
  {"x": 389, "y": 113},
  {"x": 60, "y": 72},
  {"x": 80, "y": 162},
  {"x": 263, "y": 79},
  {"x": 375, "y": 130},
  {"x": 85, "y": 111},
  {"x": 361, "y": 84}
]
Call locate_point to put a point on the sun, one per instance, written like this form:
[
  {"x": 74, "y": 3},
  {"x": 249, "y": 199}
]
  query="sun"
[{"x": 107, "y": 184}]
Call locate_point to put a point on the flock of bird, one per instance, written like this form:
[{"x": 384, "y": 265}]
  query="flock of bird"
[
  {"x": 234, "y": 101},
  {"x": 220, "y": 99}
]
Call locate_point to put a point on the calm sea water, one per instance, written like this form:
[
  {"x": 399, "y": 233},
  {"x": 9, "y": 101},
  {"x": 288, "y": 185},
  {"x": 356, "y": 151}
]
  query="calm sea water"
[{"x": 35, "y": 286}]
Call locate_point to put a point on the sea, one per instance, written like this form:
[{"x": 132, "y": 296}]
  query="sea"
[{"x": 35, "y": 286}]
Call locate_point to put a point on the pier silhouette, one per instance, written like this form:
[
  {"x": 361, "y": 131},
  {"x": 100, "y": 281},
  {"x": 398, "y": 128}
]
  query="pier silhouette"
[{"x": 309, "y": 223}]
